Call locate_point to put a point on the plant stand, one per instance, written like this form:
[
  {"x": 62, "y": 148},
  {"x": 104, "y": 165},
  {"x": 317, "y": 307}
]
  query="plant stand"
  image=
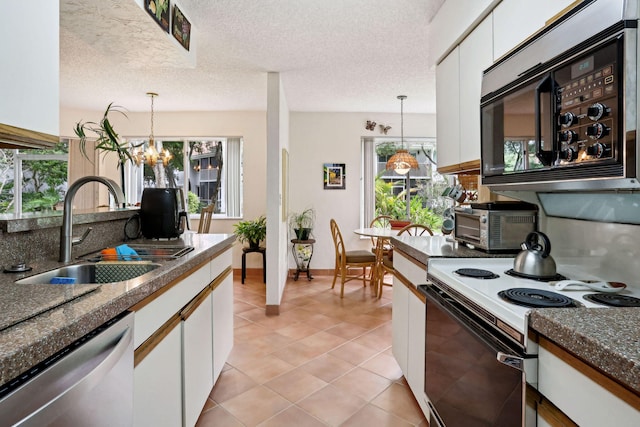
[
  {"x": 302, "y": 251},
  {"x": 248, "y": 250}
]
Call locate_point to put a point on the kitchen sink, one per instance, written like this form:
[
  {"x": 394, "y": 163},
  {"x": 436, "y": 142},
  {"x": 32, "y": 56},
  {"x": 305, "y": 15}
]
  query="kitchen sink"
[
  {"x": 101, "y": 272},
  {"x": 155, "y": 253}
]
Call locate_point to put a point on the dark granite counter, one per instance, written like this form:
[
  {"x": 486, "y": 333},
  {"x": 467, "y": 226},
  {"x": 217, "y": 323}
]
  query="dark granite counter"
[
  {"x": 82, "y": 308},
  {"x": 608, "y": 339},
  {"x": 422, "y": 248}
]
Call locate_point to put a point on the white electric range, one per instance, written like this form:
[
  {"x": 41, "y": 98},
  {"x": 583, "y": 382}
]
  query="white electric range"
[{"x": 483, "y": 294}]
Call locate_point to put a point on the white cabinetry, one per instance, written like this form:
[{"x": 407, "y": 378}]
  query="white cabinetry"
[
  {"x": 408, "y": 319},
  {"x": 29, "y": 76},
  {"x": 584, "y": 394},
  {"x": 183, "y": 335},
  {"x": 448, "y": 109}
]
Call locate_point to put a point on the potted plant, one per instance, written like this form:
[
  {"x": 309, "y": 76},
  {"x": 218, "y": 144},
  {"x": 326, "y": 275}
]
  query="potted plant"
[
  {"x": 302, "y": 223},
  {"x": 107, "y": 139},
  {"x": 252, "y": 231}
]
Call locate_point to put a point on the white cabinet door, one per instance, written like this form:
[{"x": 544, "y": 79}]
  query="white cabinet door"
[
  {"x": 448, "y": 110},
  {"x": 400, "y": 324},
  {"x": 222, "y": 297},
  {"x": 514, "y": 21},
  {"x": 197, "y": 353},
  {"x": 417, "y": 326},
  {"x": 476, "y": 54},
  {"x": 157, "y": 381},
  {"x": 29, "y": 76}
]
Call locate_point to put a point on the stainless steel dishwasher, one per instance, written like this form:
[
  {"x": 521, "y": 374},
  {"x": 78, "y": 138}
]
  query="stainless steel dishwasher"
[{"x": 89, "y": 382}]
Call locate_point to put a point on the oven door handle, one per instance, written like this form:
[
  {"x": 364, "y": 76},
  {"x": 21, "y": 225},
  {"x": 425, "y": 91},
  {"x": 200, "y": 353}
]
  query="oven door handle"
[{"x": 511, "y": 360}]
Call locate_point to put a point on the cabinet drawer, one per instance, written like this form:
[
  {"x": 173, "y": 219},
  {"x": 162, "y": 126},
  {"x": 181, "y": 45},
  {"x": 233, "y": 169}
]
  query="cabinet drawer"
[
  {"x": 414, "y": 271},
  {"x": 153, "y": 315}
]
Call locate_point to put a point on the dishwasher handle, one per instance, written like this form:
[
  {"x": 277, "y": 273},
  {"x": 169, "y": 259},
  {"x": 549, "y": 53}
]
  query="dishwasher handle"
[
  {"x": 511, "y": 360},
  {"x": 59, "y": 387}
]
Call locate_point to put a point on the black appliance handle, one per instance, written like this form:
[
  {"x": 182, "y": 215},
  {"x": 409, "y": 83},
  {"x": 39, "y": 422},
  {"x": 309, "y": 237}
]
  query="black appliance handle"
[{"x": 547, "y": 84}]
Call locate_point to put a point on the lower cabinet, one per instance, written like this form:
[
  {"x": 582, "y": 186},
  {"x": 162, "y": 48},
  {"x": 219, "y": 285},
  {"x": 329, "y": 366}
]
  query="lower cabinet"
[
  {"x": 408, "y": 319},
  {"x": 177, "y": 366}
]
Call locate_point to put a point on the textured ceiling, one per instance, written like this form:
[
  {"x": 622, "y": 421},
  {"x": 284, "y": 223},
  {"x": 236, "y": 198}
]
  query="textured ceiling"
[{"x": 332, "y": 55}]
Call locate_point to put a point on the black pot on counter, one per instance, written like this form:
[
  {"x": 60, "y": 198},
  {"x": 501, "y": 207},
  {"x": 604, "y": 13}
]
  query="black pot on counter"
[{"x": 161, "y": 213}]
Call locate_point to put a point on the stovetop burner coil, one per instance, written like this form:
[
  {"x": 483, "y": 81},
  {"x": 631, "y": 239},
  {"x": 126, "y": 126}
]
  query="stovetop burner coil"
[
  {"x": 613, "y": 300},
  {"x": 476, "y": 273},
  {"x": 555, "y": 277},
  {"x": 536, "y": 298}
]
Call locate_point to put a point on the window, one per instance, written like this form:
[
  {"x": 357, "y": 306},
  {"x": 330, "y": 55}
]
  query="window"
[
  {"x": 209, "y": 170},
  {"x": 384, "y": 190},
  {"x": 33, "y": 180}
]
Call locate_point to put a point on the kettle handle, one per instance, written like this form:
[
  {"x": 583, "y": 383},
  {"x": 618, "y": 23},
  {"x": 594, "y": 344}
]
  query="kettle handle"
[{"x": 532, "y": 242}]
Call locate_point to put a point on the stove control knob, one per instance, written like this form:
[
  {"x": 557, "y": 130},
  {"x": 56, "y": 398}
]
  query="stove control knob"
[
  {"x": 568, "y": 136},
  {"x": 567, "y": 119},
  {"x": 568, "y": 154},
  {"x": 598, "y": 111},
  {"x": 597, "y": 131},
  {"x": 596, "y": 150}
]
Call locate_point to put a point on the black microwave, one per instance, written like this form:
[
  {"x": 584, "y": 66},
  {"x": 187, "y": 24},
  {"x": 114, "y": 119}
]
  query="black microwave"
[{"x": 567, "y": 122}]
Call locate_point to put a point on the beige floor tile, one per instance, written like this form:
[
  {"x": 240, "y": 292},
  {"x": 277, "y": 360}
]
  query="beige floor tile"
[
  {"x": 347, "y": 330},
  {"x": 295, "y": 385},
  {"x": 298, "y": 330},
  {"x": 250, "y": 332},
  {"x": 362, "y": 383},
  {"x": 353, "y": 353},
  {"x": 294, "y": 417},
  {"x": 239, "y": 322},
  {"x": 327, "y": 367},
  {"x": 398, "y": 400},
  {"x": 384, "y": 365},
  {"x": 373, "y": 416},
  {"x": 217, "y": 417},
  {"x": 373, "y": 341},
  {"x": 297, "y": 354},
  {"x": 332, "y": 405},
  {"x": 240, "y": 306},
  {"x": 265, "y": 368},
  {"x": 323, "y": 341},
  {"x": 255, "y": 405},
  {"x": 230, "y": 384}
]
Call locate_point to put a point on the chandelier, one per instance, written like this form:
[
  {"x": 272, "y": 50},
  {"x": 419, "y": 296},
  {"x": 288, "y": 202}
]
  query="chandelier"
[
  {"x": 401, "y": 162},
  {"x": 151, "y": 155}
]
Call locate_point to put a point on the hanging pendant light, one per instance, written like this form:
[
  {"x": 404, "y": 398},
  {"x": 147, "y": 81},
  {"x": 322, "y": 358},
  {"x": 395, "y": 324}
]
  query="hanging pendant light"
[
  {"x": 401, "y": 162},
  {"x": 151, "y": 155}
]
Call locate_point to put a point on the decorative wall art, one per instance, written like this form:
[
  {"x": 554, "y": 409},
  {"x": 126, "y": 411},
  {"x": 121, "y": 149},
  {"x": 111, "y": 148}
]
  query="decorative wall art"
[
  {"x": 334, "y": 176},
  {"x": 181, "y": 27},
  {"x": 159, "y": 10}
]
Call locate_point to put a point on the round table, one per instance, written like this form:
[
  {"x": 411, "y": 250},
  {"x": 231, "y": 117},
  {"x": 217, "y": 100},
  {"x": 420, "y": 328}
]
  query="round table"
[{"x": 384, "y": 233}]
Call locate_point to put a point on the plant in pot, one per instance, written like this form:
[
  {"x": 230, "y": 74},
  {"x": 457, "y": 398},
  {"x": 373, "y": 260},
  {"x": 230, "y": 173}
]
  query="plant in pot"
[
  {"x": 302, "y": 223},
  {"x": 252, "y": 231}
]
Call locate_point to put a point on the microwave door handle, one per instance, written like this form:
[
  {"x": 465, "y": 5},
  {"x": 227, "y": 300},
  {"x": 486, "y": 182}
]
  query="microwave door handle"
[{"x": 545, "y": 85}]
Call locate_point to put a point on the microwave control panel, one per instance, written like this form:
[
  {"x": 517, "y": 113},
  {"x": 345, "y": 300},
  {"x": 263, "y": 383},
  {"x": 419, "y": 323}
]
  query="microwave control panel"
[{"x": 587, "y": 108}]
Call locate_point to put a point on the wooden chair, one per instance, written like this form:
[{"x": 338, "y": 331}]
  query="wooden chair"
[
  {"x": 384, "y": 265},
  {"x": 381, "y": 221},
  {"x": 205, "y": 219},
  {"x": 415, "y": 230},
  {"x": 349, "y": 259}
]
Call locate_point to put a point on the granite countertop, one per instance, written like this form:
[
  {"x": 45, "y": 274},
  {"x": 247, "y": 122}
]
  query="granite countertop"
[
  {"x": 422, "y": 248},
  {"x": 608, "y": 339},
  {"x": 83, "y": 308}
]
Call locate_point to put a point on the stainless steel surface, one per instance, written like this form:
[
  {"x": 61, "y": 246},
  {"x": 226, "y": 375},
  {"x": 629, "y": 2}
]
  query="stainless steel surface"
[
  {"x": 155, "y": 253},
  {"x": 535, "y": 259},
  {"x": 89, "y": 384},
  {"x": 66, "y": 232},
  {"x": 82, "y": 273}
]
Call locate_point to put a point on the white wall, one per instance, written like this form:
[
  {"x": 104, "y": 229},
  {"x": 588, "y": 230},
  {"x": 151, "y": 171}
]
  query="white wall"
[
  {"x": 248, "y": 124},
  {"x": 318, "y": 138}
]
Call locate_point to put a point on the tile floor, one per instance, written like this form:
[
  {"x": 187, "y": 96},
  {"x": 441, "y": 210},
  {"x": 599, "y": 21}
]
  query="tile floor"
[{"x": 324, "y": 361}]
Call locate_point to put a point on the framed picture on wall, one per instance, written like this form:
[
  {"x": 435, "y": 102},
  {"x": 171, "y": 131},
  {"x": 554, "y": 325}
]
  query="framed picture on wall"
[
  {"x": 159, "y": 10},
  {"x": 181, "y": 27},
  {"x": 334, "y": 176}
]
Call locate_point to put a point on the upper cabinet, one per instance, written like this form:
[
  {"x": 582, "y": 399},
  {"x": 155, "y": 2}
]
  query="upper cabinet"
[
  {"x": 459, "y": 73},
  {"x": 29, "y": 77}
]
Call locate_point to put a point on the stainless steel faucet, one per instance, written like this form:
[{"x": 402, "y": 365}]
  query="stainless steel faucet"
[{"x": 66, "y": 233}]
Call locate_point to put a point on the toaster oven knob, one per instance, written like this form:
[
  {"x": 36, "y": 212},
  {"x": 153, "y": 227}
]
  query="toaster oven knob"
[
  {"x": 567, "y": 119},
  {"x": 597, "y": 111},
  {"x": 597, "y": 130},
  {"x": 568, "y": 136},
  {"x": 483, "y": 219},
  {"x": 596, "y": 150},
  {"x": 568, "y": 154}
]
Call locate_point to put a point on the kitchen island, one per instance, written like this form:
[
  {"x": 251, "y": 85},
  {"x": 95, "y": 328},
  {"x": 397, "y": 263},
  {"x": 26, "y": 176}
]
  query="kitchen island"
[{"x": 34, "y": 339}]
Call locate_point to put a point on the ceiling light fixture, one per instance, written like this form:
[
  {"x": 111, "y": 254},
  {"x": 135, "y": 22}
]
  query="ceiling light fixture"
[
  {"x": 151, "y": 155},
  {"x": 401, "y": 162}
]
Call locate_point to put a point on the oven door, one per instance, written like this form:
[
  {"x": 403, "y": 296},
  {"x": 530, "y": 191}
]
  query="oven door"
[{"x": 472, "y": 378}]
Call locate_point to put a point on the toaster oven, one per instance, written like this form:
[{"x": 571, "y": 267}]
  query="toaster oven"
[{"x": 495, "y": 226}]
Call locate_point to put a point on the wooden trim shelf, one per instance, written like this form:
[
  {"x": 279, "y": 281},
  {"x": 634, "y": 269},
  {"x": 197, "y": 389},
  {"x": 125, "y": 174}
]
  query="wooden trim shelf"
[
  {"x": 152, "y": 342},
  {"x": 472, "y": 166},
  {"x": 15, "y": 137}
]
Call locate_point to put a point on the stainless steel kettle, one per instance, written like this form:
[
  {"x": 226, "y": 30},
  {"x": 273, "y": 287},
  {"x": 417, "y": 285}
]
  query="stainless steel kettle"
[{"x": 535, "y": 260}]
